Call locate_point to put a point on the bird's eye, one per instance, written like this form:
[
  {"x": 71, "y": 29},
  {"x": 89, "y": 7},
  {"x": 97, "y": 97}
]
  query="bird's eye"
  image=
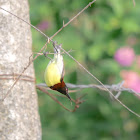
[{"x": 66, "y": 89}]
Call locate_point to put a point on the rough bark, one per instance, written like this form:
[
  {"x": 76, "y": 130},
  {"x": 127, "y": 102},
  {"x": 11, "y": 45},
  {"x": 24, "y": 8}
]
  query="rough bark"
[{"x": 19, "y": 119}]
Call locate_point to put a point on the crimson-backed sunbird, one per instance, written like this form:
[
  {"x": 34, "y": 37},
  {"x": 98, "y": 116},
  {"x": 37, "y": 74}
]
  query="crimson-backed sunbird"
[{"x": 54, "y": 73}]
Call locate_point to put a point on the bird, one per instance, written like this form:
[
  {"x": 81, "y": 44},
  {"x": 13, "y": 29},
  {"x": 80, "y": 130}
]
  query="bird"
[{"x": 54, "y": 73}]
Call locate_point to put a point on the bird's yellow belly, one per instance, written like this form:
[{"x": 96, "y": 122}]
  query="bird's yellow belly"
[{"x": 52, "y": 75}]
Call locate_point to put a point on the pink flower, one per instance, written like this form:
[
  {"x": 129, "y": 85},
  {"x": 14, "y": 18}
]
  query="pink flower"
[
  {"x": 136, "y": 86},
  {"x": 43, "y": 25},
  {"x": 131, "y": 80},
  {"x": 125, "y": 56}
]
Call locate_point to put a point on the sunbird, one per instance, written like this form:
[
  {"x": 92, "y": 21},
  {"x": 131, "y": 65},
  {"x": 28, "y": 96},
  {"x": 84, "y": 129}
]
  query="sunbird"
[{"x": 54, "y": 73}]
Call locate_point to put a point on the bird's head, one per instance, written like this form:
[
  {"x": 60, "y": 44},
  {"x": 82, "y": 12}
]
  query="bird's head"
[{"x": 64, "y": 90}]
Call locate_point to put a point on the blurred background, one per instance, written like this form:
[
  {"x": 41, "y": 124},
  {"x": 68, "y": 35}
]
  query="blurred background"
[{"x": 105, "y": 39}]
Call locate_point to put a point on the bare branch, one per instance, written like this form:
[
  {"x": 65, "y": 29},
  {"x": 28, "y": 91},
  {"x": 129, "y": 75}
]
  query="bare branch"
[
  {"x": 30, "y": 62},
  {"x": 64, "y": 25},
  {"x": 49, "y": 39},
  {"x": 101, "y": 83},
  {"x": 25, "y": 22},
  {"x": 77, "y": 101},
  {"x": 106, "y": 88},
  {"x": 114, "y": 87},
  {"x": 14, "y": 76}
]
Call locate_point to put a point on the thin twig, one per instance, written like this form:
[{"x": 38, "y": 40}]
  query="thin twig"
[
  {"x": 114, "y": 87},
  {"x": 101, "y": 83},
  {"x": 72, "y": 58},
  {"x": 77, "y": 102},
  {"x": 119, "y": 93},
  {"x": 97, "y": 86},
  {"x": 30, "y": 62},
  {"x": 15, "y": 81},
  {"x": 16, "y": 74},
  {"x": 25, "y": 22},
  {"x": 51, "y": 53},
  {"x": 64, "y": 25},
  {"x": 49, "y": 39},
  {"x": 22, "y": 79}
]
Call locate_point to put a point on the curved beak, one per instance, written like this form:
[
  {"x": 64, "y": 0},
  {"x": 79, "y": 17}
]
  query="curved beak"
[{"x": 68, "y": 96}]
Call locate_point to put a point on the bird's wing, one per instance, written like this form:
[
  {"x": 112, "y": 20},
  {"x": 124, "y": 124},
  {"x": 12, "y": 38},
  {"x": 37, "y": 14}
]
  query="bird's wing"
[
  {"x": 58, "y": 58},
  {"x": 63, "y": 73},
  {"x": 52, "y": 75}
]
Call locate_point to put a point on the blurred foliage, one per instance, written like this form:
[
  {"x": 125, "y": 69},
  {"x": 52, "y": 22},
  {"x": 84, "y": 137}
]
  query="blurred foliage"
[{"x": 94, "y": 37}]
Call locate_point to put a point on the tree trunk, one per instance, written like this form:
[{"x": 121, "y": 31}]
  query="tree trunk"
[{"x": 19, "y": 119}]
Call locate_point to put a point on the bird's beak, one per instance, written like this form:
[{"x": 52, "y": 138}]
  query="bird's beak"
[
  {"x": 68, "y": 96},
  {"x": 64, "y": 91}
]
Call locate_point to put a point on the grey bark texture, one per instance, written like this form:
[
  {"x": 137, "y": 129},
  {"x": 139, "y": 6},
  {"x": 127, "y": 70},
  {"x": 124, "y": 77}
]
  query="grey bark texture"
[{"x": 19, "y": 119}]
